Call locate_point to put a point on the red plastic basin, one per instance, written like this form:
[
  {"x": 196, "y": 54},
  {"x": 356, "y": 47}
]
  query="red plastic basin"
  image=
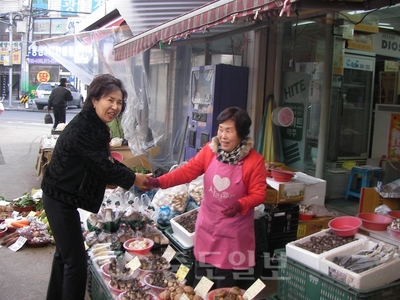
[
  {"x": 282, "y": 175},
  {"x": 345, "y": 226},
  {"x": 374, "y": 221},
  {"x": 394, "y": 214}
]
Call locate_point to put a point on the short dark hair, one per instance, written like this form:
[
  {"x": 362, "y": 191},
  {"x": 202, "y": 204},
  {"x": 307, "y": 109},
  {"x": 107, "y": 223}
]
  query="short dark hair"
[
  {"x": 63, "y": 80},
  {"x": 240, "y": 117},
  {"x": 103, "y": 85}
]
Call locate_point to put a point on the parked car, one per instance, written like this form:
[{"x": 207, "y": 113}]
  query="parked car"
[{"x": 43, "y": 92}]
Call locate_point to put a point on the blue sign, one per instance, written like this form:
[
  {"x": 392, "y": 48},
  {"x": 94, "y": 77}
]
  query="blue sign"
[
  {"x": 96, "y": 4},
  {"x": 69, "y": 8},
  {"x": 36, "y": 56},
  {"x": 40, "y": 4}
]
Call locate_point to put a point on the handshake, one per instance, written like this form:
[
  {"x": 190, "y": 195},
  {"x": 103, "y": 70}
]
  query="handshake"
[{"x": 146, "y": 182}]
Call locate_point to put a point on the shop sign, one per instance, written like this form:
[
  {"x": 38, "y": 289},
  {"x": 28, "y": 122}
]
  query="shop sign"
[
  {"x": 43, "y": 76},
  {"x": 294, "y": 132},
  {"x": 69, "y": 7},
  {"x": 5, "y": 53},
  {"x": 387, "y": 44},
  {"x": 37, "y": 56},
  {"x": 358, "y": 63}
]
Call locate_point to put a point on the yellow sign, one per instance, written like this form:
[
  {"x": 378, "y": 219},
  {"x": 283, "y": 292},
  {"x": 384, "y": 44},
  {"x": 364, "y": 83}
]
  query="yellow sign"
[
  {"x": 43, "y": 76},
  {"x": 5, "y": 53}
]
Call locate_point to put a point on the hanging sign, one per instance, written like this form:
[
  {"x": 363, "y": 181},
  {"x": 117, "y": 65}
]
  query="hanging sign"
[{"x": 43, "y": 76}]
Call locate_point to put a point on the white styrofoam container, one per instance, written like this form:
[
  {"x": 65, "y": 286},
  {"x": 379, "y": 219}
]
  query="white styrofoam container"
[
  {"x": 315, "y": 189},
  {"x": 369, "y": 279},
  {"x": 311, "y": 259},
  {"x": 181, "y": 234}
]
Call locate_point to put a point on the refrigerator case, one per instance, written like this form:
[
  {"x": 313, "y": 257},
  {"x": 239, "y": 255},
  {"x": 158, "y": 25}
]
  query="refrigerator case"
[
  {"x": 351, "y": 109},
  {"x": 212, "y": 89}
]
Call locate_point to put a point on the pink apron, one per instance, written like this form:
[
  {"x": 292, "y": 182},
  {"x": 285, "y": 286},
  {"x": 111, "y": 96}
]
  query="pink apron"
[{"x": 226, "y": 243}]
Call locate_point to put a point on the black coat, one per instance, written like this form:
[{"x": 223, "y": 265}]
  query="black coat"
[
  {"x": 80, "y": 166},
  {"x": 59, "y": 97}
]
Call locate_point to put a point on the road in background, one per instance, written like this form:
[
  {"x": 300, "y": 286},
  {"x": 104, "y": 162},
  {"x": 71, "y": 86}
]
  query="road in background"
[{"x": 20, "y": 134}]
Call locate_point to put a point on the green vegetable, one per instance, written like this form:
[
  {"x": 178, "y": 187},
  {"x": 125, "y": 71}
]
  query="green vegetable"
[
  {"x": 142, "y": 170},
  {"x": 24, "y": 201}
]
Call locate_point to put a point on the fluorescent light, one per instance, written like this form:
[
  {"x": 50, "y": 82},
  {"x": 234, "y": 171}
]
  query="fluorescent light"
[
  {"x": 304, "y": 23},
  {"x": 357, "y": 12},
  {"x": 386, "y": 27}
]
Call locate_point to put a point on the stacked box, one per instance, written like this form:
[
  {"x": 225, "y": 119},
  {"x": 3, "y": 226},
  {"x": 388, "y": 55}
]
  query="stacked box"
[
  {"x": 181, "y": 234},
  {"x": 369, "y": 279},
  {"x": 298, "y": 282},
  {"x": 312, "y": 260}
]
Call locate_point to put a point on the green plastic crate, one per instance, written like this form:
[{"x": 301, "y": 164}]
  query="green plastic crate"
[
  {"x": 96, "y": 286},
  {"x": 298, "y": 282}
]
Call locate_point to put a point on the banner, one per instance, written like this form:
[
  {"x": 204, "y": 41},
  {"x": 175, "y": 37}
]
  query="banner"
[{"x": 5, "y": 53}]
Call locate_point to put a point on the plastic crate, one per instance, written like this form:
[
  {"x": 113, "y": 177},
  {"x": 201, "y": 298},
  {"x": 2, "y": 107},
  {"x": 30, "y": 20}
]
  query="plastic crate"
[
  {"x": 274, "y": 297},
  {"x": 96, "y": 287},
  {"x": 281, "y": 218},
  {"x": 298, "y": 282}
]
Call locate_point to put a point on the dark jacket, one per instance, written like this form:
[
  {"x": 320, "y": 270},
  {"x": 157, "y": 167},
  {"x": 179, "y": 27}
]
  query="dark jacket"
[
  {"x": 59, "y": 97},
  {"x": 80, "y": 166}
]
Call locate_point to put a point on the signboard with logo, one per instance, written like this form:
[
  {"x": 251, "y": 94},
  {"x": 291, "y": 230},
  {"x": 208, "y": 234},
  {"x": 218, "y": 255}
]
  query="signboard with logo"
[
  {"x": 5, "y": 53},
  {"x": 43, "y": 76},
  {"x": 37, "y": 56},
  {"x": 387, "y": 44},
  {"x": 69, "y": 8}
]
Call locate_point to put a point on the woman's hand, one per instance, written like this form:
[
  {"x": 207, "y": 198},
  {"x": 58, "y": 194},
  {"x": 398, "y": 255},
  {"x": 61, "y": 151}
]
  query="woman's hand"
[
  {"x": 153, "y": 182},
  {"x": 141, "y": 181},
  {"x": 232, "y": 209}
]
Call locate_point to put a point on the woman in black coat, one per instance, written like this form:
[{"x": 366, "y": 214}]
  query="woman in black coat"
[{"x": 76, "y": 177}]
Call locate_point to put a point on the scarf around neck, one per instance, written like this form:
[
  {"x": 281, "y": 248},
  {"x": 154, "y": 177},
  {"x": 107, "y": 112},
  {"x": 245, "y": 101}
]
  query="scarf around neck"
[{"x": 233, "y": 157}]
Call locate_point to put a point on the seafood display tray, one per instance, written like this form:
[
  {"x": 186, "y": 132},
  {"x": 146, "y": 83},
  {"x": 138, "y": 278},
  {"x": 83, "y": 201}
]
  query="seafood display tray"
[
  {"x": 313, "y": 260},
  {"x": 369, "y": 279},
  {"x": 302, "y": 283}
]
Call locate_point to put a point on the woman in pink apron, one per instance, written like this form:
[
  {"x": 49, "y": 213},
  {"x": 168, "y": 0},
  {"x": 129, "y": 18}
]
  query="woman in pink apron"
[{"x": 234, "y": 184}]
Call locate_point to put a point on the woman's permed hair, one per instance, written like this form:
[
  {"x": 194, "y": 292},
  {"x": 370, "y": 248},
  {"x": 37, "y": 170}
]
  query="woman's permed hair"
[
  {"x": 103, "y": 85},
  {"x": 240, "y": 117}
]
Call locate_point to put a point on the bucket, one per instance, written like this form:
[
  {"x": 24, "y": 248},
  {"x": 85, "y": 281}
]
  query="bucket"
[{"x": 283, "y": 116}]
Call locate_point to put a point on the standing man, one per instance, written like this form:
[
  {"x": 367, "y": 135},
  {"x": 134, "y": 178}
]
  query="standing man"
[{"x": 58, "y": 99}]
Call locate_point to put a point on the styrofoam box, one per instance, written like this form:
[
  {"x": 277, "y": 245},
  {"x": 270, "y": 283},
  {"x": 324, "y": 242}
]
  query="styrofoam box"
[
  {"x": 311, "y": 259},
  {"x": 315, "y": 189},
  {"x": 369, "y": 279},
  {"x": 181, "y": 234}
]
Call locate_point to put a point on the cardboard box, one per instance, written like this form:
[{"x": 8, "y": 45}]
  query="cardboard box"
[
  {"x": 272, "y": 196},
  {"x": 370, "y": 279},
  {"x": 315, "y": 189},
  {"x": 371, "y": 199},
  {"x": 306, "y": 228},
  {"x": 124, "y": 150},
  {"x": 292, "y": 191},
  {"x": 388, "y": 87},
  {"x": 139, "y": 161},
  {"x": 311, "y": 259}
]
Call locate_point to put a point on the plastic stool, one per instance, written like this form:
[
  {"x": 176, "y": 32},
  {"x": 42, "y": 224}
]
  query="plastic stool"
[{"x": 366, "y": 172}]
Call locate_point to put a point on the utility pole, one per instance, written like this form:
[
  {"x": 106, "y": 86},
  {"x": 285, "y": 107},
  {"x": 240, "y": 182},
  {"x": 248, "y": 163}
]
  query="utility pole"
[{"x": 10, "y": 62}]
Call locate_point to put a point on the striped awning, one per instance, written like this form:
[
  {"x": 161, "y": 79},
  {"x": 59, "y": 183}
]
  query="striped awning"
[{"x": 231, "y": 13}]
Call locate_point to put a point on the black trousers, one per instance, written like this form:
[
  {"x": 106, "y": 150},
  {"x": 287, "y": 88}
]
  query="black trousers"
[
  {"x": 69, "y": 268},
  {"x": 221, "y": 277},
  {"x": 59, "y": 115}
]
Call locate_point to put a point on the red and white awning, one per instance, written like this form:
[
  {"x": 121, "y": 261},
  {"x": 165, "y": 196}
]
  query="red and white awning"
[{"x": 198, "y": 20}]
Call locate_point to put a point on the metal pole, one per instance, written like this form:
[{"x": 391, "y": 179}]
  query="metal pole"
[{"x": 10, "y": 62}]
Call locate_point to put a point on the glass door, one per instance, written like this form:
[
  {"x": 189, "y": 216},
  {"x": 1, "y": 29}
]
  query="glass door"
[{"x": 351, "y": 108}]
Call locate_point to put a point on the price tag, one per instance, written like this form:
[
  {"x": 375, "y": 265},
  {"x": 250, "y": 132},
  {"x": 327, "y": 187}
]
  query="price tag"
[
  {"x": 254, "y": 289},
  {"x": 133, "y": 264},
  {"x": 169, "y": 253},
  {"x": 184, "y": 297},
  {"x": 32, "y": 214},
  {"x": 203, "y": 287},
  {"x": 18, "y": 244},
  {"x": 182, "y": 272}
]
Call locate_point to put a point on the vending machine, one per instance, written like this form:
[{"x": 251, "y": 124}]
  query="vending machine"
[{"x": 212, "y": 89}]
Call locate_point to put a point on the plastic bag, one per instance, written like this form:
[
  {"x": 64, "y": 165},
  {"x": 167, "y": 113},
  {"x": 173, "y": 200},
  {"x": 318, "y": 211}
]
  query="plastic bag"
[
  {"x": 48, "y": 119},
  {"x": 382, "y": 209},
  {"x": 196, "y": 189},
  {"x": 321, "y": 211},
  {"x": 175, "y": 197}
]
